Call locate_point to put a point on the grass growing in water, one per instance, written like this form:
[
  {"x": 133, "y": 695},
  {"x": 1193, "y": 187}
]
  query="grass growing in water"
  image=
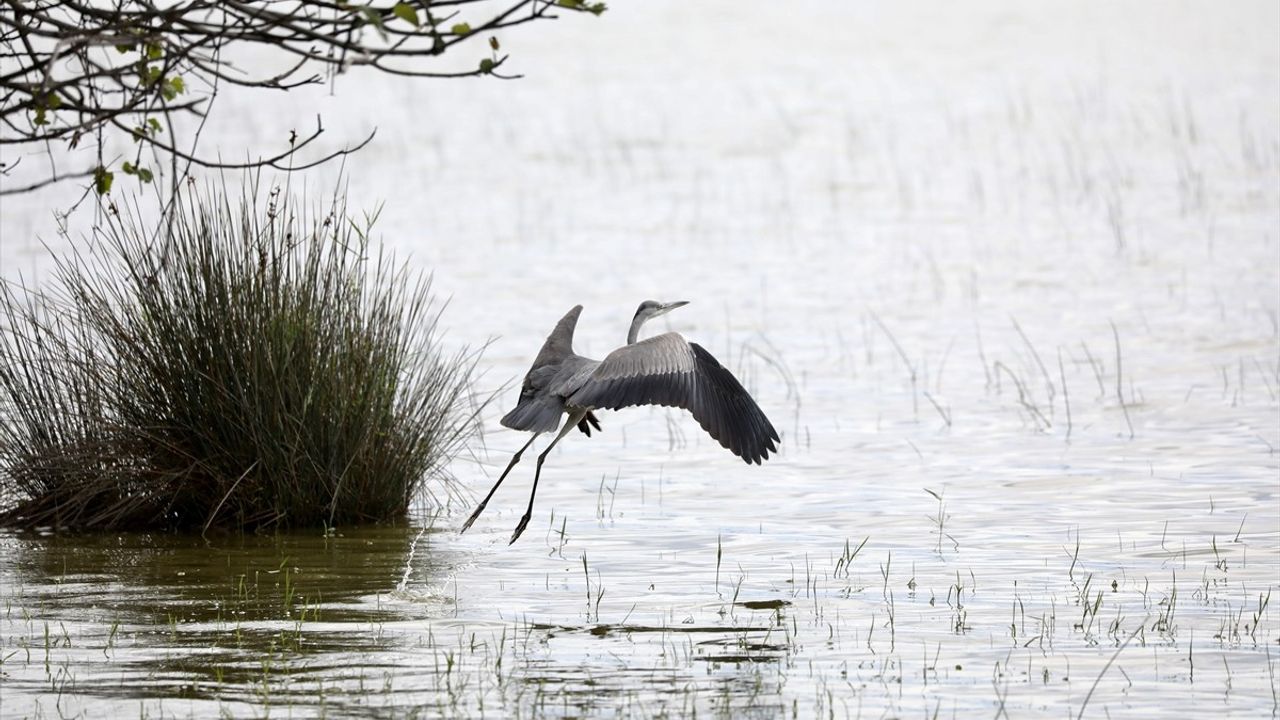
[{"x": 247, "y": 365}]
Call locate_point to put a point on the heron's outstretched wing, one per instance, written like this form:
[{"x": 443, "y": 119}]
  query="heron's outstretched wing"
[
  {"x": 538, "y": 410},
  {"x": 669, "y": 370}
]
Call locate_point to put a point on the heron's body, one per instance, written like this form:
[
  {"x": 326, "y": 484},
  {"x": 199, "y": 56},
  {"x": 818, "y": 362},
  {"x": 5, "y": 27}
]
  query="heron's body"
[{"x": 662, "y": 370}]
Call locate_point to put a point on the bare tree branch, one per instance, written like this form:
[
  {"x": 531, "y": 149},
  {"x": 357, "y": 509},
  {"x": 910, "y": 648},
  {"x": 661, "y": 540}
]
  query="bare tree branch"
[{"x": 76, "y": 69}]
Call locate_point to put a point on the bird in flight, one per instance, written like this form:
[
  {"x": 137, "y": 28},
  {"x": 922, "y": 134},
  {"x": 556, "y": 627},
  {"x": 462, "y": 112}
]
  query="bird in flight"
[{"x": 662, "y": 370}]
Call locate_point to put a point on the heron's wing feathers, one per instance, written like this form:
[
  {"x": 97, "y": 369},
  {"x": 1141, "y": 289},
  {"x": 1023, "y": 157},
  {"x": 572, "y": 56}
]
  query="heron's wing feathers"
[
  {"x": 536, "y": 413},
  {"x": 559, "y": 343},
  {"x": 539, "y": 410},
  {"x": 668, "y": 370}
]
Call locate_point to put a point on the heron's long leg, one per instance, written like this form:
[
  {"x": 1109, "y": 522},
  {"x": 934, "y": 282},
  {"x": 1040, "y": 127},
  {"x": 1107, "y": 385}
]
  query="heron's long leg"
[
  {"x": 571, "y": 423},
  {"x": 514, "y": 459}
]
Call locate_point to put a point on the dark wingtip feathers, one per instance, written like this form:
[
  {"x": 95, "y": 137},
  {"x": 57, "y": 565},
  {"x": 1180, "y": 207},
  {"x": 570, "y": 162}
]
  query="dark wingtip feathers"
[{"x": 746, "y": 432}]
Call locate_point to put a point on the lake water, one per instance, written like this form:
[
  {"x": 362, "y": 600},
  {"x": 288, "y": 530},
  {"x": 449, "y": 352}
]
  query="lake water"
[{"x": 1006, "y": 279}]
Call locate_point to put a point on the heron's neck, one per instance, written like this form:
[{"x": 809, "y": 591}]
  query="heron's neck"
[{"x": 634, "y": 332}]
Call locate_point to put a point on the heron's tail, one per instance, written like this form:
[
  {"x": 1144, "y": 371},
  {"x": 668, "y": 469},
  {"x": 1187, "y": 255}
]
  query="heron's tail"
[{"x": 535, "y": 414}]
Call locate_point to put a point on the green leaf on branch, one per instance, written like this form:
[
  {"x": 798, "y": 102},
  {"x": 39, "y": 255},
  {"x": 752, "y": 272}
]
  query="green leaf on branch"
[
  {"x": 374, "y": 18},
  {"x": 44, "y": 103},
  {"x": 154, "y": 124},
  {"x": 486, "y": 66},
  {"x": 461, "y": 29},
  {"x": 148, "y": 74},
  {"x": 144, "y": 175},
  {"x": 102, "y": 178},
  {"x": 406, "y": 12},
  {"x": 593, "y": 8},
  {"x": 172, "y": 88},
  {"x": 154, "y": 51}
]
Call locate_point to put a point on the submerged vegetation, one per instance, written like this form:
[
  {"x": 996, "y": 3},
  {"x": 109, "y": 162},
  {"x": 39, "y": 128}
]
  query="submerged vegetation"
[{"x": 251, "y": 363}]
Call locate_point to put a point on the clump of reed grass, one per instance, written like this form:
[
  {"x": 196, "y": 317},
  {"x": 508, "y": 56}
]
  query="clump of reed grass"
[{"x": 247, "y": 364}]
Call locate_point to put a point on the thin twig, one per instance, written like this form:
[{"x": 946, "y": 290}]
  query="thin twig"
[
  {"x": 1066, "y": 396},
  {"x": 1119, "y": 383},
  {"x": 230, "y": 490},
  {"x": 1106, "y": 667},
  {"x": 911, "y": 368},
  {"x": 1043, "y": 372}
]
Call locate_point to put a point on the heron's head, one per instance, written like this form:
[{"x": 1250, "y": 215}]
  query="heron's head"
[{"x": 653, "y": 308}]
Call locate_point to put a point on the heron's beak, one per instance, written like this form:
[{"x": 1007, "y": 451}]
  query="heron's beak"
[{"x": 668, "y": 307}]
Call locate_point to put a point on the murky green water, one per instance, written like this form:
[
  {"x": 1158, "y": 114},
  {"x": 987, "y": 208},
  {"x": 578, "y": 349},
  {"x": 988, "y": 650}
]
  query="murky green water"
[{"x": 1005, "y": 278}]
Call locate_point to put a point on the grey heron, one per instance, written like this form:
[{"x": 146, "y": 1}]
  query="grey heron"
[{"x": 662, "y": 370}]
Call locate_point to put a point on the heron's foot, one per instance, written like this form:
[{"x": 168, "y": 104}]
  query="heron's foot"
[
  {"x": 524, "y": 522},
  {"x": 473, "y": 517}
]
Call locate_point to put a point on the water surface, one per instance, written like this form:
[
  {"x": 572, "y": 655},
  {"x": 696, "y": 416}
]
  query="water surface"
[{"x": 1003, "y": 277}]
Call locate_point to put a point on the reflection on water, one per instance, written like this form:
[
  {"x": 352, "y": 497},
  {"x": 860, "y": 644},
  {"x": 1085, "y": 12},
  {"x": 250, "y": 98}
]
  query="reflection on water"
[
  {"x": 194, "y": 618},
  {"x": 1003, "y": 276},
  {"x": 338, "y": 623},
  {"x": 148, "y": 578}
]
